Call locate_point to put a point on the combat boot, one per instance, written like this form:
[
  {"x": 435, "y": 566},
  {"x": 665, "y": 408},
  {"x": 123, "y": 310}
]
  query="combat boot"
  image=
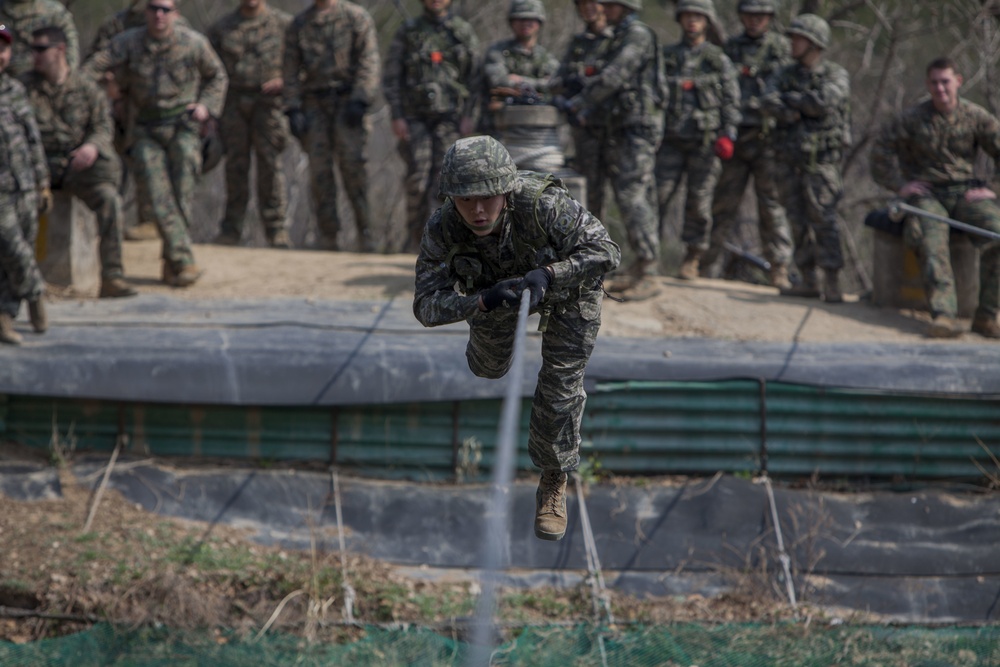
[
  {"x": 985, "y": 325},
  {"x": 187, "y": 276},
  {"x": 144, "y": 231},
  {"x": 116, "y": 288},
  {"x": 831, "y": 286},
  {"x": 778, "y": 277},
  {"x": 227, "y": 239},
  {"x": 630, "y": 277},
  {"x": 944, "y": 326},
  {"x": 550, "y": 506},
  {"x": 689, "y": 267},
  {"x": 36, "y": 313},
  {"x": 280, "y": 239},
  {"x": 7, "y": 333},
  {"x": 808, "y": 288}
]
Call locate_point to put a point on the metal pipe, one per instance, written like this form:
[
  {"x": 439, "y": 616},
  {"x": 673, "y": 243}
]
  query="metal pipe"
[{"x": 896, "y": 210}]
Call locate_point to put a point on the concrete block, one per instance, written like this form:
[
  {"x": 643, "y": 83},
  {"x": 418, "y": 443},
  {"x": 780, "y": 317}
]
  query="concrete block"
[
  {"x": 67, "y": 246},
  {"x": 897, "y": 279}
]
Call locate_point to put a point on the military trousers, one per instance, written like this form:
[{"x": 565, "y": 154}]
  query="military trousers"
[
  {"x": 592, "y": 162},
  {"x": 167, "y": 158},
  {"x": 97, "y": 187},
  {"x": 753, "y": 157},
  {"x": 698, "y": 162},
  {"x": 931, "y": 239},
  {"x": 557, "y": 408},
  {"x": 330, "y": 139},
  {"x": 253, "y": 123},
  {"x": 423, "y": 152},
  {"x": 810, "y": 193},
  {"x": 20, "y": 277},
  {"x": 631, "y": 155}
]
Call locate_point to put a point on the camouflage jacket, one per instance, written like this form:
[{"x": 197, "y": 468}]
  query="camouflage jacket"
[
  {"x": 507, "y": 57},
  {"x": 542, "y": 226},
  {"x": 23, "y": 17},
  {"x": 162, "y": 77},
  {"x": 704, "y": 93},
  {"x": 925, "y": 145},
  {"x": 432, "y": 68},
  {"x": 331, "y": 52},
  {"x": 251, "y": 49},
  {"x": 812, "y": 108},
  {"x": 755, "y": 61},
  {"x": 119, "y": 22},
  {"x": 629, "y": 90},
  {"x": 69, "y": 115},
  {"x": 22, "y": 158},
  {"x": 585, "y": 57}
]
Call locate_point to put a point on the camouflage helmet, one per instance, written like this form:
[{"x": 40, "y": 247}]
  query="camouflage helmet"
[
  {"x": 757, "y": 7},
  {"x": 635, "y": 5},
  {"x": 477, "y": 167},
  {"x": 704, "y": 7},
  {"x": 527, "y": 9},
  {"x": 812, "y": 27}
]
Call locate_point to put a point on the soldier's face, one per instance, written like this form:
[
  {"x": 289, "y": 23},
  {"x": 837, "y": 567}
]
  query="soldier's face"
[
  {"x": 437, "y": 7},
  {"x": 46, "y": 56},
  {"x": 481, "y": 214},
  {"x": 589, "y": 11},
  {"x": 4, "y": 54},
  {"x": 251, "y": 4},
  {"x": 800, "y": 46},
  {"x": 755, "y": 25},
  {"x": 160, "y": 15},
  {"x": 943, "y": 85},
  {"x": 614, "y": 12},
  {"x": 525, "y": 28},
  {"x": 693, "y": 24}
]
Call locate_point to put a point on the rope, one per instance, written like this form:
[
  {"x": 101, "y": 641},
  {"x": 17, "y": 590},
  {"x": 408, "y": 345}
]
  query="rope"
[
  {"x": 782, "y": 554},
  {"x": 349, "y": 593},
  {"x": 599, "y": 593},
  {"x": 496, "y": 539}
]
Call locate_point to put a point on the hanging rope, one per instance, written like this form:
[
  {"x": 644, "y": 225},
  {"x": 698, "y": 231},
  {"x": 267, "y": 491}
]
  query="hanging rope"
[
  {"x": 349, "y": 593},
  {"x": 786, "y": 562}
]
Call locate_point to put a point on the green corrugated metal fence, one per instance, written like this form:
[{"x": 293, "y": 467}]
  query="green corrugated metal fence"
[{"x": 630, "y": 428}]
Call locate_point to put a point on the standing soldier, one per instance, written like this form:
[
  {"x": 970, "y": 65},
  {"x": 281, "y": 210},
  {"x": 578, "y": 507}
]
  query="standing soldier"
[
  {"x": 810, "y": 99},
  {"x": 756, "y": 53},
  {"x": 331, "y": 74},
  {"x": 75, "y": 126},
  {"x": 699, "y": 129},
  {"x": 24, "y": 192},
  {"x": 431, "y": 79},
  {"x": 629, "y": 93},
  {"x": 585, "y": 57},
  {"x": 927, "y": 157},
  {"x": 517, "y": 70},
  {"x": 176, "y": 83},
  {"x": 22, "y": 17},
  {"x": 250, "y": 42},
  {"x": 499, "y": 233}
]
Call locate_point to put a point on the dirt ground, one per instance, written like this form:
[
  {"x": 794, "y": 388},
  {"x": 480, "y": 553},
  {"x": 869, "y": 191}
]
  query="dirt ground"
[{"x": 718, "y": 309}]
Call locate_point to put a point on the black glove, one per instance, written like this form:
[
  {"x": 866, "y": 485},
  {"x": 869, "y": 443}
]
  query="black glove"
[
  {"x": 354, "y": 113},
  {"x": 811, "y": 105},
  {"x": 536, "y": 282},
  {"x": 792, "y": 99},
  {"x": 505, "y": 293},
  {"x": 297, "y": 123}
]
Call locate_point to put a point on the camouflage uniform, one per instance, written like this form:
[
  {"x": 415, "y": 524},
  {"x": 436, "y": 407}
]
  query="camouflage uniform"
[
  {"x": 809, "y": 142},
  {"x": 755, "y": 59},
  {"x": 22, "y": 17},
  {"x": 22, "y": 174},
  {"x": 251, "y": 50},
  {"x": 161, "y": 78},
  {"x": 535, "y": 66},
  {"x": 331, "y": 61},
  {"x": 627, "y": 92},
  {"x": 704, "y": 105},
  {"x": 431, "y": 75},
  {"x": 542, "y": 225},
  {"x": 924, "y": 145},
  {"x": 69, "y": 115},
  {"x": 585, "y": 56}
]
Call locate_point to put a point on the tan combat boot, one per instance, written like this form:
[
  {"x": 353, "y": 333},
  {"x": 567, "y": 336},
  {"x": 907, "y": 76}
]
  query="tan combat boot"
[
  {"x": 36, "y": 313},
  {"x": 778, "y": 277},
  {"x": 227, "y": 239},
  {"x": 280, "y": 239},
  {"x": 550, "y": 506},
  {"x": 808, "y": 288},
  {"x": 831, "y": 286},
  {"x": 7, "y": 333},
  {"x": 116, "y": 288},
  {"x": 187, "y": 276},
  {"x": 985, "y": 325},
  {"x": 689, "y": 267},
  {"x": 944, "y": 326}
]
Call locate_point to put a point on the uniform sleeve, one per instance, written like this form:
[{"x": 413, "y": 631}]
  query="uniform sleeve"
[
  {"x": 622, "y": 70},
  {"x": 114, "y": 55},
  {"x": 214, "y": 79},
  {"x": 578, "y": 237},
  {"x": 435, "y": 299},
  {"x": 884, "y": 158},
  {"x": 22, "y": 109},
  {"x": 495, "y": 73},
  {"x": 834, "y": 90},
  {"x": 988, "y": 134},
  {"x": 101, "y": 130},
  {"x": 291, "y": 67},
  {"x": 770, "y": 98},
  {"x": 368, "y": 67},
  {"x": 392, "y": 79},
  {"x": 730, "y": 112},
  {"x": 541, "y": 83}
]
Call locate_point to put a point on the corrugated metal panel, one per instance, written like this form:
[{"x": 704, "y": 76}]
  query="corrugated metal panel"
[{"x": 638, "y": 428}]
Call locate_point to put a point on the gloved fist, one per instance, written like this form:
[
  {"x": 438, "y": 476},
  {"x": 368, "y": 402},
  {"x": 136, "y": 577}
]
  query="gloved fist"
[
  {"x": 297, "y": 123},
  {"x": 354, "y": 113},
  {"x": 505, "y": 293},
  {"x": 44, "y": 200},
  {"x": 536, "y": 282},
  {"x": 792, "y": 99},
  {"x": 724, "y": 148}
]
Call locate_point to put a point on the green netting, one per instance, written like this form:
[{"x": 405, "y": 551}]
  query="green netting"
[{"x": 683, "y": 645}]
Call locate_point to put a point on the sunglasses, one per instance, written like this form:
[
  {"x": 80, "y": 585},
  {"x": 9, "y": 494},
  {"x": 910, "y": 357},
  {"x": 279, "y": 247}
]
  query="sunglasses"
[
  {"x": 159, "y": 9},
  {"x": 42, "y": 48}
]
